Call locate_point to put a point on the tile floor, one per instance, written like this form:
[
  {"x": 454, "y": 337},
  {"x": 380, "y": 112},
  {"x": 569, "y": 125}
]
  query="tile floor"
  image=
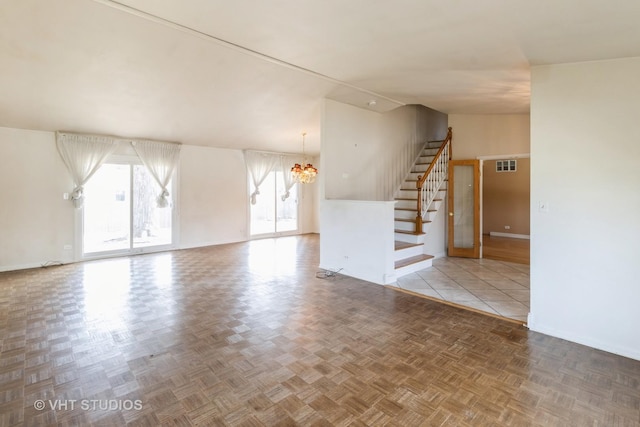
[{"x": 496, "y": 287}]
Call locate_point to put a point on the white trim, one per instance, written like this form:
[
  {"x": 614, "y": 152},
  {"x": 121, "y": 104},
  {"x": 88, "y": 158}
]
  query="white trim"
[
  {"x": 624, "y": 351},
  {"x": 23, "y": 266},
  {"x": 439, "y": 254},
  {"x": 512, "y": 235},
  {"x": 505, "y": 156},
  {"x": 208, "y": 243},
  {"x": 130, "y": 160}
]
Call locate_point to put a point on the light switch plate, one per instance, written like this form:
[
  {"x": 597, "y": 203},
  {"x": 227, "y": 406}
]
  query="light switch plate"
[{"x": 543, "y": 207}]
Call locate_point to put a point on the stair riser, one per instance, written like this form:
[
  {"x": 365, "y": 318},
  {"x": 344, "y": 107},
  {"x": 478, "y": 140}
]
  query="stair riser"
[
  {"x": 408, "y": 194},
  {"x": 425, "y": 158},
  {"x": 409, "y": 238},
  {"x": 413, "y": 204},
  {"x": 408, "y": 252},
  {"x": 402, "y": 236},
  {"x": 399, "y": 214},
  {"x": 430, "y": 151},
  {"x": 405, "y": 226},
  {"x": 408, "y": 185},
  {"x": 408, "y": 190},
  {"x": 403, "y": 271},
  {"x": 436, "y": 205},
  {"x": 406, "y": 204}
]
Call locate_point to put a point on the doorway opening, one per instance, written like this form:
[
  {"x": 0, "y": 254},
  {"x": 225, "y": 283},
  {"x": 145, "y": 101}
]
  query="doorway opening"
[{"x": 506, "y": 209}]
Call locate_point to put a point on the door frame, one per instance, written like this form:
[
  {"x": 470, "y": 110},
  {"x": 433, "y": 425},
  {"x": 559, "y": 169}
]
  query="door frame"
[
  {"x": 494, "y": 157},
  {"x": 475, "y": 251},
  {"x": 127, "y": 159},
  {"x": 274, "y": 233}
]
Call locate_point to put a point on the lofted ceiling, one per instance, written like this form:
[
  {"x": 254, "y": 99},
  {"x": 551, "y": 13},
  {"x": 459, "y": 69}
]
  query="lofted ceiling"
[{"x": 253, "y": 73}]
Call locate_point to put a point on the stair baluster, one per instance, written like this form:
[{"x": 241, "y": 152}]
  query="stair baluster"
[{"x": 429, "y": 183}]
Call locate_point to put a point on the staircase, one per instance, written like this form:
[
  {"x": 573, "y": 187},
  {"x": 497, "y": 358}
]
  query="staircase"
[{"x": 410, "y": 226}]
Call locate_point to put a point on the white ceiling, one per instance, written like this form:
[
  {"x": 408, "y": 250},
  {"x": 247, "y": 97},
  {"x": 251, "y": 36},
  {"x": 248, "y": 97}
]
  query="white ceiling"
[{"x": 253, "y": 73}]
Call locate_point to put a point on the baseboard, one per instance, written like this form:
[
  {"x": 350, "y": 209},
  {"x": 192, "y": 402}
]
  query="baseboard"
[
  {"x": 625, "y": 351},
  {"x": 4, "y": 268},
  {"x": 511, "y": 235}
]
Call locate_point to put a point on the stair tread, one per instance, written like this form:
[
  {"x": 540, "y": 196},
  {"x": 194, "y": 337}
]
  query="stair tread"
[
  {"x": 413, "y": 233},
  {"x": 398, "y": 245},
  {"x": 413, "y": 260},
  {"x": 413, "y": 210},
  {"x": 410, "y": 220}
]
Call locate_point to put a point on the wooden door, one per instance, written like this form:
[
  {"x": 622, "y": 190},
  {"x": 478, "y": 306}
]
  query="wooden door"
[{"x": 464, "y": 208}]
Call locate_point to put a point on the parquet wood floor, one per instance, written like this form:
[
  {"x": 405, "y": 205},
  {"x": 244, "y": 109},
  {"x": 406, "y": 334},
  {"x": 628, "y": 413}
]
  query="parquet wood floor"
[{"x": 246, "y": 335}]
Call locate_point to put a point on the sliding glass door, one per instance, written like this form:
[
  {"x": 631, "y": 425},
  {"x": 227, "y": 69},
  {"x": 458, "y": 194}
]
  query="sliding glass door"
[
  {"x": 274, "y": 214},
  {"x": 120, "y": 214}
]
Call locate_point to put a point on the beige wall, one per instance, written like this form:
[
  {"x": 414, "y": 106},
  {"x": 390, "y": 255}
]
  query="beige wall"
[
  {"x": 493, "y": 136},
  {"x": 489, "y": 135},
  {"x": 505, "y": 198}
]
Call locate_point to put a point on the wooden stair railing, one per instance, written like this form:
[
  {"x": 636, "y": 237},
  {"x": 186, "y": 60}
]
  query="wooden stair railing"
[{"x": 429, "y": 184}]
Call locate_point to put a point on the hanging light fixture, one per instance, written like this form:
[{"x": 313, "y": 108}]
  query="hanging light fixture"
[{"x": 307, "y": 174}]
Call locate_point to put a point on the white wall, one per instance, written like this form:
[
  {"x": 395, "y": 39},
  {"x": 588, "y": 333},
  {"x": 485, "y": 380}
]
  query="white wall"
[
  {"x": 351, "y": 141},
  {"x": 309, "y": 196},
  {"x": 357, "y": 238},
  {"x": 362, "y": 152},
  {"x": 489, "y": 135},
  {"x": 213, "y": 196},
  {"x": 585, "y": 154},
  {"x": 367, "y": 155},
  {"x": 35, "y": 222}
]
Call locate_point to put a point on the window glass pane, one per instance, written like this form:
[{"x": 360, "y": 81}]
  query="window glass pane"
[
  {"x": 287, "y": 210},
  {"x": 151, "y": 224},
  {"x": 263, "y": 212},
  {"x": 463, "y": 205},
  {"x": 106, "y": 210},
  {"x": 271, "y": 214}
]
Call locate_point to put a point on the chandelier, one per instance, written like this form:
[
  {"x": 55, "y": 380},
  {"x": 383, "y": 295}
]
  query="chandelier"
[{"x": 307, "y": 174}]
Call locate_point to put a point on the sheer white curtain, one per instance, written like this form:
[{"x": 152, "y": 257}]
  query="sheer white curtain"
[
  {"x": 160, "y": 159},
  {"x": 286, "y": 162},
  {"x": 259, "y": 165},
  {"x": 83, "y": 155}
]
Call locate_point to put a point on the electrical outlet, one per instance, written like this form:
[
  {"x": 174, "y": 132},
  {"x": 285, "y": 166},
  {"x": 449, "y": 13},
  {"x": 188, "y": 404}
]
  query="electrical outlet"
[
  {"x": 67, "y": 247},
  {"x": 507, "y": 227}
]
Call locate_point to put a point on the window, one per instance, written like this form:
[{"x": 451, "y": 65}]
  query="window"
[
  {"x": 271, "y": 215},
  {"x": 506, "y": 165},
  {"x": 120, "y": 213}
]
